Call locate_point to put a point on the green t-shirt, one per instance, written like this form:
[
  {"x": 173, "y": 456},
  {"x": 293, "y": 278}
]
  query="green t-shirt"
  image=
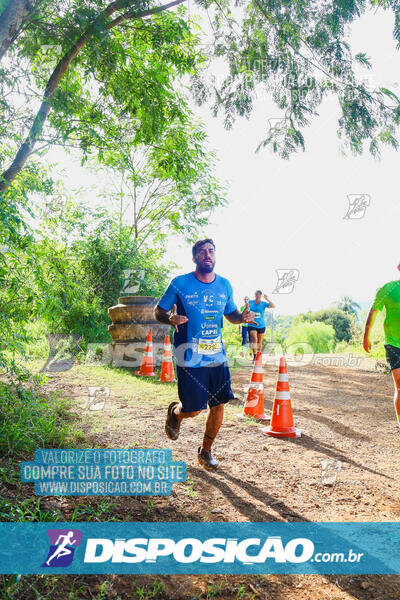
[
  {"x": 241, "y": 310},
  {"x": 388, "y": 296}
]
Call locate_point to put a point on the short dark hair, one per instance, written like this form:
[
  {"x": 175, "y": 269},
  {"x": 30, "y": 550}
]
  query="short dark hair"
[
  {"x": 258, "y": 292},
  {"x": 201, "y": 243}
]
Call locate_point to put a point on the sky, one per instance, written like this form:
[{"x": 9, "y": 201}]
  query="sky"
[{"x": 289, "y": 215}]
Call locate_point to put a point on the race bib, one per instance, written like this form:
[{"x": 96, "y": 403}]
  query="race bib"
[{"x": 209, "y": 346}]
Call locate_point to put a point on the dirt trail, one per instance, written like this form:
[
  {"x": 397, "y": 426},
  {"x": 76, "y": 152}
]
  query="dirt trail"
[{"x": 347, "y": 415}]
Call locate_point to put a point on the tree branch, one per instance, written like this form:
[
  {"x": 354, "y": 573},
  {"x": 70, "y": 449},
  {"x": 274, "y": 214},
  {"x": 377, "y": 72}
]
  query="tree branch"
[
  {"x": 147, "y": 13},
  {"x": 37, "y": 127},
  {"x": 11, "y": 20}
]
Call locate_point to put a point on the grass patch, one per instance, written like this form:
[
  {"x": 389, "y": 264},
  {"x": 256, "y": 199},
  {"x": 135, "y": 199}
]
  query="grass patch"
[
  {"x": 147, "y": 592},
  {"x": 42, "y": 587},
  {"x": 123, "y": 383},
  {"x": 214, "y": 590},
  {"x": 29, "y": 421},
  {"x": 95, "y": 510},
  {"x": 28, "y": 510},
  {"x": 190, "y": 488},
  {"x": 377, "y": 350}
]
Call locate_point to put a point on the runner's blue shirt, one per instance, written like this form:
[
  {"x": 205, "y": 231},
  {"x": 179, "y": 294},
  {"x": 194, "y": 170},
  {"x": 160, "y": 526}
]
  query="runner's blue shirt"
[
  {"x": 198, "y": 342},
  {"x": 258, "y": 310}
]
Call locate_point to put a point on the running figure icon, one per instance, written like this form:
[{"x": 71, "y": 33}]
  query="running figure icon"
[{"x": 62, "y": 549}]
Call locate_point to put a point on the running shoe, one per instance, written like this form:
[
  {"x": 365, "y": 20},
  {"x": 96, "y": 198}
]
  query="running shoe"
[
  {"x": 206, "y": 459},
  {"x": 172, "y": 424}
]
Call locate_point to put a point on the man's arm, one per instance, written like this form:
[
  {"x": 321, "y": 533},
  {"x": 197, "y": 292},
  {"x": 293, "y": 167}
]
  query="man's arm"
[
  {"x": 236, "y": 317},
  {"x": 368, "y": 326},
  {"x": 162, "y": 315},
  {"x": 271, "y": 304},
  {"x": 169, "y": 317}
]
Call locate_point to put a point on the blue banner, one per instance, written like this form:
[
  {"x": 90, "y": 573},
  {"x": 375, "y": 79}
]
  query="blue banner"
[{"x": 200, "y": 548}]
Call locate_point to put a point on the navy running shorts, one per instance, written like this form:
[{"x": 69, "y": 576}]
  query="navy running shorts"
[
  {"x": 392, "y": 356},
  {"x": 258, "y": 329},
  {"x": 202, "y": 386}
]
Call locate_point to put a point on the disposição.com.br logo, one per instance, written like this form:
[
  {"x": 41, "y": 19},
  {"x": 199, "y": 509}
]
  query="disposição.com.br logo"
[{"x": 247, "y": 551}]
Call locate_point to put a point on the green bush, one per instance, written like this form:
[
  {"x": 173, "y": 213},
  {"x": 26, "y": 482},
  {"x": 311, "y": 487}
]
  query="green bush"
[
  {"x": 78, "y": 283},
  {"x": 377, "y": 350},
  {"x": 342, "y": 347},
  {"x": 282, "y": 325},
  {"x": 231, "y": 337},
  {"x": 341, "y": 321},
  {"x": 312, "y": 337},
  {"x": 28, "y": 422},
  {"x": 57, "y": 283}
]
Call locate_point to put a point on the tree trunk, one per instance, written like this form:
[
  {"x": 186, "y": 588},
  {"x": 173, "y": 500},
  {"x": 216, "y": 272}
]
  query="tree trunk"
[
  {"x": 10, "y": 21},
  {"x": 37, "y": 127}
]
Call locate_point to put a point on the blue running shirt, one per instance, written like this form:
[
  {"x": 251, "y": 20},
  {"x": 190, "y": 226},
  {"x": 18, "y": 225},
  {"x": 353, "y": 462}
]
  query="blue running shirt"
[
  {"x": 258, "y": 310},
  {"x": 199, "y": 341}
]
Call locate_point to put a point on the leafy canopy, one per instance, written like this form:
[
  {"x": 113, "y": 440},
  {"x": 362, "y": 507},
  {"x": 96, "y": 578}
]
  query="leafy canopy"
[{"x": 297, "y": 52}]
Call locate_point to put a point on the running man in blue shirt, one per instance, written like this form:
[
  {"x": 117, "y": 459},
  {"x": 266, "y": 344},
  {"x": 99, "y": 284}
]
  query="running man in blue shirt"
[
  {"x": 256, "y": 330},
  {"x": 195, "y": 304}
]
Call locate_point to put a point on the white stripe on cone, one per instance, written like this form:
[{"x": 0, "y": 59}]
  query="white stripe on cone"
[
  {"x": 283, "y": 377},
  {"x": 282, "y": 396},
  {"x": 257, "y": 386}
]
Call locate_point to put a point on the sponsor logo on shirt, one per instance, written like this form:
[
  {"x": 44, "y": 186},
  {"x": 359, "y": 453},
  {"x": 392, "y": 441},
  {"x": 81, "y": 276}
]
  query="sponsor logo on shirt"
[{"x": 205, "y": 325}]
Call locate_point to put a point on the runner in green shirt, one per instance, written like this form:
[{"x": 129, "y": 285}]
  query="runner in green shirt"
[{"x": 388, "y": 297}]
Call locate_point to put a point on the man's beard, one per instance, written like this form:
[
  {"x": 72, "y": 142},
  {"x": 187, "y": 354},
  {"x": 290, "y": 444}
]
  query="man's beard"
[{"x": 205, "y": 268}]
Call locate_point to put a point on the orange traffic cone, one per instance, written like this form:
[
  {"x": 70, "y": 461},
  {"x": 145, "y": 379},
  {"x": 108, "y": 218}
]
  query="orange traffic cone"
[
  {"x": 146, "y": 367},
  {"x": 282, "y": 416},
  {"x": 254, "y": 406},
  {"x": 167, "y": 369}
]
